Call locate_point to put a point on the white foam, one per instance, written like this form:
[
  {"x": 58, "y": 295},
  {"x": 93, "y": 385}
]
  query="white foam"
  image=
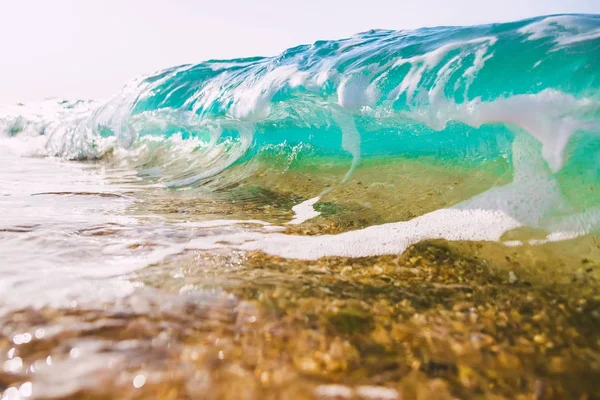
[
  {"x": 251, "y": 100},
  {"x": 564, "y": 30},
  {"x": 355, "y": 92},
  {"x": 216, "y": 157},
  {"x": 350, "y": 138},
  {"x": 420, "y": 64},
  {"x": 393, "y": 238},
  {"x": 305, "y": 211},
  {"x": 542, "y": 115},
  {"x": 454, "y": 224},
  {"x": 62, "y": 124}
]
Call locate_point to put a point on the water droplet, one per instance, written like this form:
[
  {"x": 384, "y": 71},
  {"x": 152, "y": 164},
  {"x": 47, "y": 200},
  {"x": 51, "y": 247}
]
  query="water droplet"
[
  {"x": 22, "y": 338},
  {"x": 26, "y": 389},
  {"x": 139, "y": 381},
  {"x": 13, "y": 366},
  {"x": 11, "y": 394}
]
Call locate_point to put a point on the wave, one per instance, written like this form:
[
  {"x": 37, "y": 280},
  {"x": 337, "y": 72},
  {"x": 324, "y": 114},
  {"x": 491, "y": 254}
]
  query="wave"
[{"x": 527, "y": 92}]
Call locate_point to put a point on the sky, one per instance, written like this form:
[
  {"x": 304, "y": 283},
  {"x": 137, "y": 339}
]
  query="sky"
[{"x": 83, "y": 49}]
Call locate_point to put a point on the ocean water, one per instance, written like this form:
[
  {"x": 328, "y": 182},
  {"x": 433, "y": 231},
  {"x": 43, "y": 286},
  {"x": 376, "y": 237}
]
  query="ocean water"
[{"x": 155, "y": 204}]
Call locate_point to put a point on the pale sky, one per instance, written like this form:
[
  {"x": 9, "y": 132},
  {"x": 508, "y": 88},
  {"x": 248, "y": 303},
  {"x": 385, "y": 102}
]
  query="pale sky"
[{"x": 90, "y": 48}]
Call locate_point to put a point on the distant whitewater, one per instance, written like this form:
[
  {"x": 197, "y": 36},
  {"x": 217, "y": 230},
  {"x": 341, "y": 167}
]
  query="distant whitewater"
[{"x": 527, "y": 93}]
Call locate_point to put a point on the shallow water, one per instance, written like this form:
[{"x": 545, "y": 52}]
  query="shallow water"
[
  {"x": 117, "y": 288},
  {"x": 397, "y": 215}
]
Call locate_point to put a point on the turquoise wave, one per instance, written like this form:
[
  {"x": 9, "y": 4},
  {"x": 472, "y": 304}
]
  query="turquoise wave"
[
  {"x": 527, "y": 92},
  {"x": 451, "y": 92}
]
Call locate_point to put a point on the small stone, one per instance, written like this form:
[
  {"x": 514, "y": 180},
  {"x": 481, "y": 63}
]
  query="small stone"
[
  {"x": 308, "y": 365},
  {"x": 377, "y": 269},
  {"x": 539, "y": 339}
]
